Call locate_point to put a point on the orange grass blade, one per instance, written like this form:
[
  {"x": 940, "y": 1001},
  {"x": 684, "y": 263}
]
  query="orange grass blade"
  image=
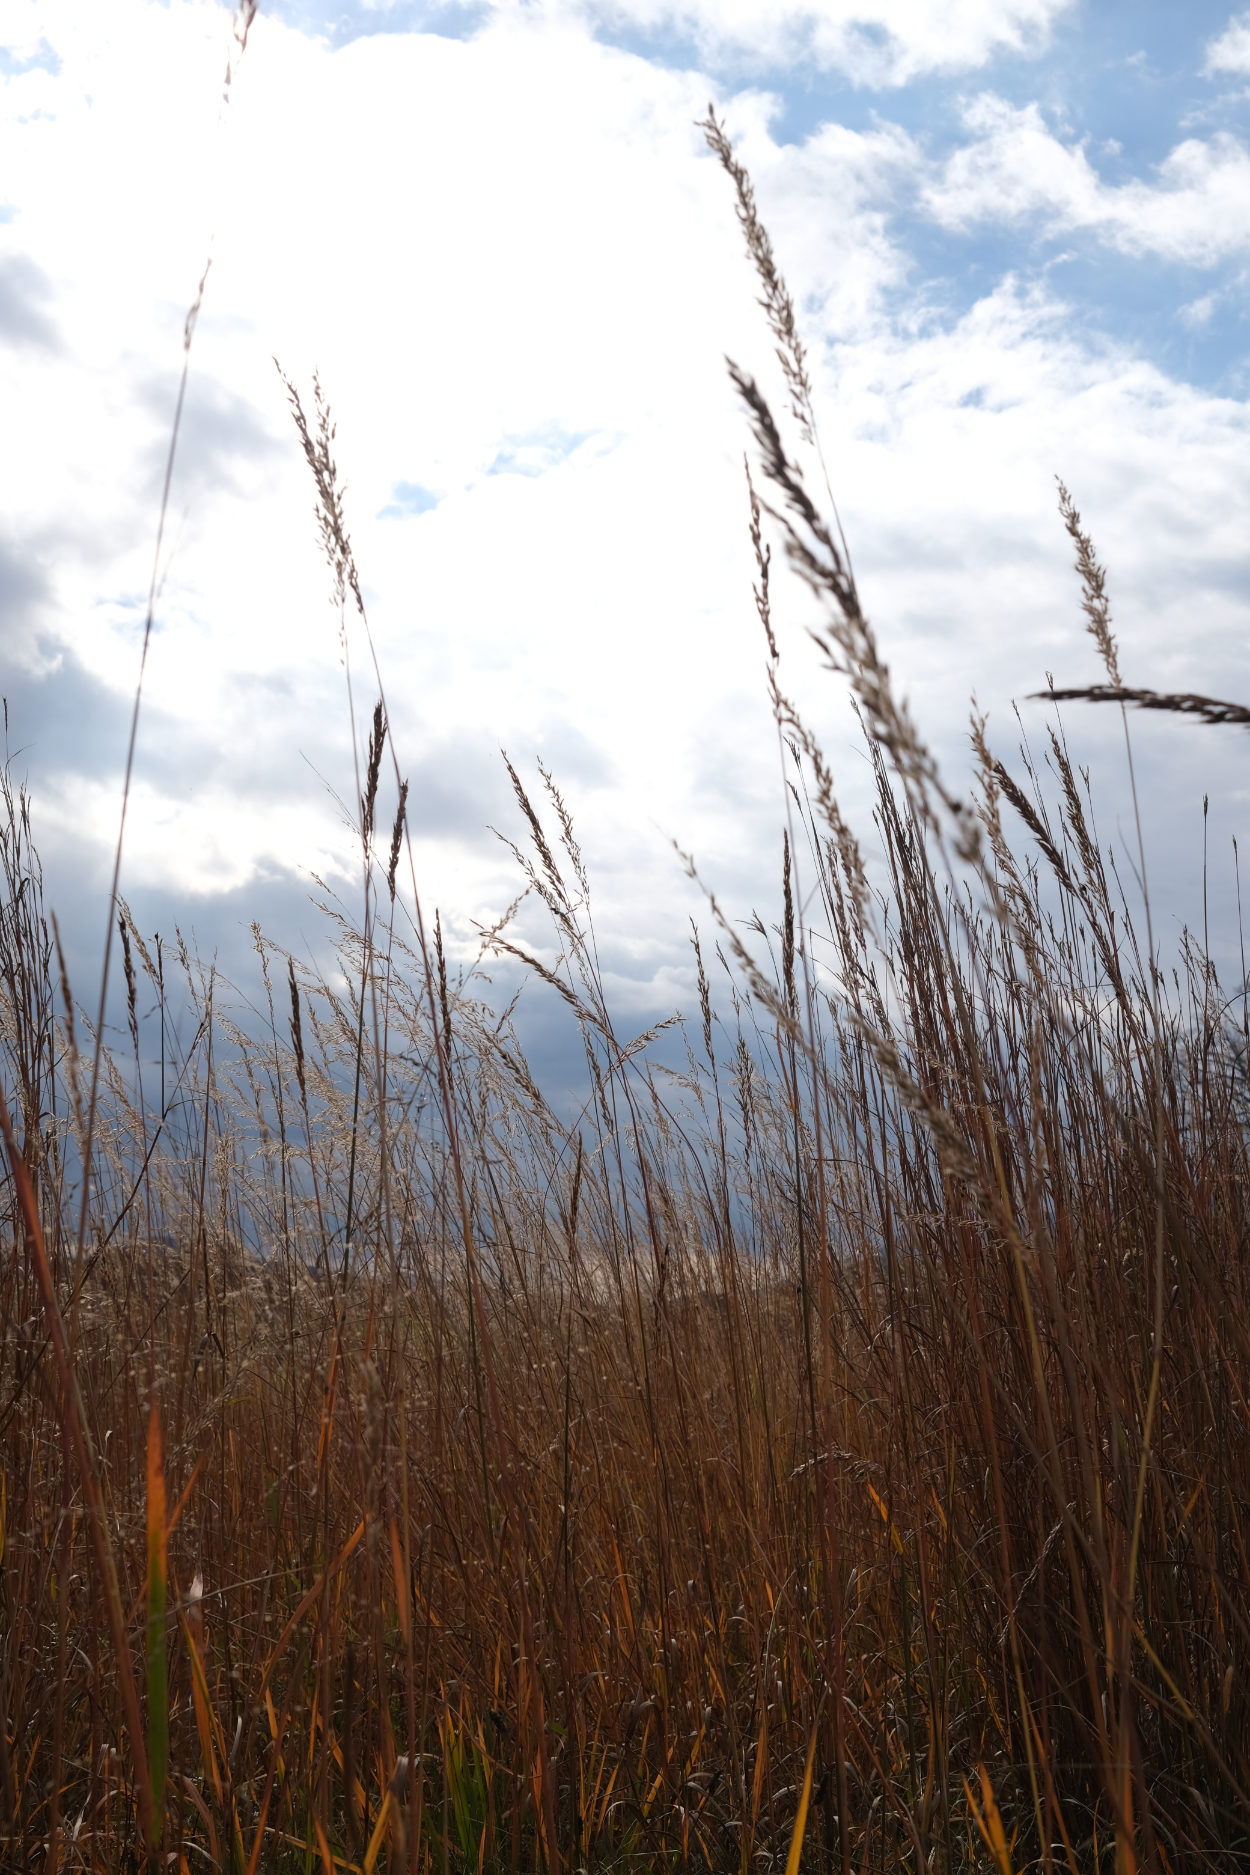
[
  {"x": 401, "y": 1592},
  {"x": 757, "y": 1780},
  {"x": 205, "y": 1718},
  {"x": 379, "y": 1830},
  {"x": 158, "y": 1665},
  {"x": 805, "y": 1798},
  {"x": 328, "y": 1861},
  {"x": 273, "y": 1728},
  {"x": 886, "y": 1519},
  {"x": 989, "y": 1822},
  {"x": 607, "y": 1795}
]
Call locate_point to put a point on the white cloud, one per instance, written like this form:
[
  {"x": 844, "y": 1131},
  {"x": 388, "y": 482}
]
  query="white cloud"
[
  {"x": 517, "y": 272},
  {"x": 1198, "y": 313},
  {"x": 1231, "y": 51},
  {"x": 1197, "y": 210},
  {"x": 876, "y": 42}
]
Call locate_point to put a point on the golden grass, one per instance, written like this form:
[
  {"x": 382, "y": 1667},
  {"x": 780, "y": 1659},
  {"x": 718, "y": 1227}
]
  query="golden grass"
[{"x": 834, "y": 1455}]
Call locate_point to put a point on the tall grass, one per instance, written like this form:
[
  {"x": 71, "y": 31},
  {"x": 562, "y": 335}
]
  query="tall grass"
[{"x": 833, "y": 1455}]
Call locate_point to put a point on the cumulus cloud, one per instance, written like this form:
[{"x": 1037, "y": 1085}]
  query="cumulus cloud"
[
  {"x": 1231, "y": 51},
  {"x": 1195, "y": 210},
  {"x": 879, "y": 43},
  {"x": 518, "y": 271}
]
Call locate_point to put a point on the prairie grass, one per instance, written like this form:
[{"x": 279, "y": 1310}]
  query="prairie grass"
[{"x": 834, "y": 1454}]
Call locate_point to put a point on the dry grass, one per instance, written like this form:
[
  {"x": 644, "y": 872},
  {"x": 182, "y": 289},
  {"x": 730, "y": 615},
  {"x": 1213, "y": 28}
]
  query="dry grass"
[{"x": 836, "y": 1455}]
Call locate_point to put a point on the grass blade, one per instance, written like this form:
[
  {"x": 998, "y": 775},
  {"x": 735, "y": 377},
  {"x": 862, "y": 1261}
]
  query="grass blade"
[
  {"x": 157, "y": 1597},
  {"x": 805, "y": 1798}
]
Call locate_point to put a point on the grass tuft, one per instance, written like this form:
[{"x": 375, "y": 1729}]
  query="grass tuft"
[{"x": 833, "y": 1452}]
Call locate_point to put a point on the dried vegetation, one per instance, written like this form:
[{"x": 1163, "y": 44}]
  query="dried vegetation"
[{"x": 835, "y": 1455}]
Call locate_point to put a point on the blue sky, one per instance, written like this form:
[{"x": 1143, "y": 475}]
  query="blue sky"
[{"x": 1018, "y": 232}]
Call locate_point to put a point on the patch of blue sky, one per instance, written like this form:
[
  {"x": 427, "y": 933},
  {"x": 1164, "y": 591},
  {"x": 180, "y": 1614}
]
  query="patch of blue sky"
[
  {"x": 1118, "y": 71},
  {"x": 538, "y": 452},
  {"x": 1189, "y": 321},
  {"x": 339, "y": 25},
  {"x": 43, "y": 59},
  {"x": 1128, "y": 78},
  {"x": 677, "y": 50},
  {"x": 809, "y": 94},
  {"x": 408, "y": 499},
  {"x": 1127, "y": 84},
  {"x": 810, "y": 99},
  {"x": 1135, "y": 75}
]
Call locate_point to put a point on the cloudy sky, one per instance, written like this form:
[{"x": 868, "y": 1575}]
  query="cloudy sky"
[{"x": 1017, "y": 232}]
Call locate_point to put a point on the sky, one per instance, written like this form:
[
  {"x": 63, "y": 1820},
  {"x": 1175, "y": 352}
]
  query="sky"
[{"x": 1017, "y": 233}]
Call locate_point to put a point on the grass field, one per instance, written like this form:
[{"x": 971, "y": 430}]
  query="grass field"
[{"x": 835, "y": 1456}]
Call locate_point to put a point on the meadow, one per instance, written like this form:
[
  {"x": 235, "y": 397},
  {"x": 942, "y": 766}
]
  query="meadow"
[{"x": 833, "y": 1454}]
